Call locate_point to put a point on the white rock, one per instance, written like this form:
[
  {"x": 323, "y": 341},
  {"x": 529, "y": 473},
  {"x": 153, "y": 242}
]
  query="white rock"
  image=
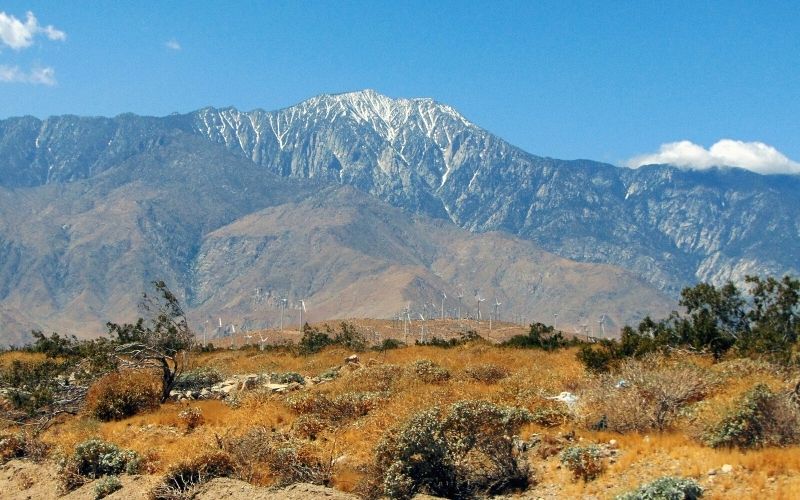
[{"x": 727, "y": 469}]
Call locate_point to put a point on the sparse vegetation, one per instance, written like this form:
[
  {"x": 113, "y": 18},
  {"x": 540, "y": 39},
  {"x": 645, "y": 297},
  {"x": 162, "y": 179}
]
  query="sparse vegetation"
[
  {"x": 718, "y": 320},
  {"x": 459, "y": 453},
  {"x": 182, "y": 477},
  {"x": 666, "y": 488},
  {"x": 429, "y": 372},
  {"x": 106, "y": 486},
  {"x": 585, "y": 462},
  {"x": 487, "y": 373},
  {"x": 540, "y": 336},
  {"x": 760, "y": 418},
  {"x": 643, "y": 394},
  {"x": 123, "y": 393},
  {"x": 95, "y": 458},
  {"x": 372, "y": 427}
]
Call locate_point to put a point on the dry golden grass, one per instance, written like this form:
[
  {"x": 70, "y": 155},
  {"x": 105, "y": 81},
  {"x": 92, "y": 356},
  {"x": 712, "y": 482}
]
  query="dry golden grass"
[{"x": 532, "y": 377}]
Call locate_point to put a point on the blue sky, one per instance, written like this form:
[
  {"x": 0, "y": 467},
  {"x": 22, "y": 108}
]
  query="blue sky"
[{"x": 601, "y": 80}]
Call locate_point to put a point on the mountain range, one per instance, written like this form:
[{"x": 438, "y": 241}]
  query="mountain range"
[{"x": 359, "y": 204}]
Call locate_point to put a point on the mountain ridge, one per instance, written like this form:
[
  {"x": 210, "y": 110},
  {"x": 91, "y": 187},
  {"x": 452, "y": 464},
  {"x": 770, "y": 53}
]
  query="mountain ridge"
[{"x": 670, "y": 226}]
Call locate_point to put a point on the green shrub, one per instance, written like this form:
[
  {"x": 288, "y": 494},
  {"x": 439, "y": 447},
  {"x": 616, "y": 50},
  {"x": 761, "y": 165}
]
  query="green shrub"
[
  {"x": 106, "y": 486},
  {"x": 666, "y": 488},
  {"x": 596, "y": 359},
  {"x": 313, "y": 340},
  {"x": 95, "y": 458},
  {"x": 287, "y": 378},
  {"x": 181, "y": 478},
  {"x": 122, "y": 394},
  {"x": 198, "y": 379},
  {"x": 388, "y": 344},
  {"x": 540, "y": 336},
  {"x": 759, "y": 418},
  {"x": 585, "y": 462},
  {"x": 462, "y": 453},
  {"x": 429, "y": 372},
  {"x": 350, "y": 337}
]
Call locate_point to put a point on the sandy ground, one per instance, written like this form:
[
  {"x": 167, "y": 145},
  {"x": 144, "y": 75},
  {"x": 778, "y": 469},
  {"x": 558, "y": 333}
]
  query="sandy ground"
[{"x": 23, "y": 480}]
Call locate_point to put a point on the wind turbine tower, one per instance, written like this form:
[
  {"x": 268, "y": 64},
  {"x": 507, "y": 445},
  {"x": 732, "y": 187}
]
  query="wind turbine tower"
[
  {"x": 555, "y": 321},
  {"x": 284, "y": 301},
  {"x": 478, "y": 299},
  {"x": 444, "y": 296},
  {"x": 602, "y": 322},
  {"x": 302, "y": 310}
]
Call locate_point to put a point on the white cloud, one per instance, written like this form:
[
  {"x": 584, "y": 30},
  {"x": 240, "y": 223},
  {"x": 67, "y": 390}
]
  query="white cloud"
[
  {"x": 37, "y": 76},
  {"x": 19, "y": 35},
  {"x": 756, "y": 156},
  {"x": 173, "y": 45}
]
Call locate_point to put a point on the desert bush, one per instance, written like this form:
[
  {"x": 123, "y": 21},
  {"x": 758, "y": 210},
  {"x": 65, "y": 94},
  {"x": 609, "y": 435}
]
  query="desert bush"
[
  {"x": 343, "y": 407},
  {"x": 388, "y": 345},
  {"x": 287, "y": 459},
  {"x": 313, "y": 340},
  {"x": 487, "y": 373},
  {"x": 665, "y": 488},
  {"x": 191, "y": 417},
  {"x": 356, "y": 404},
  {"x": 644, "y": 394},
  {"x": 106, "y": 486},
  {"x": 466, "y": 337},
  {"x": 182, "y": 477},
  {"x": 95, "y": 458},
  {"x": 122, "y": 394},
  {"x": 331, "y": 373},
  {"x": 375, "y": 378},
  {"x": 309, "y": 426},
  {"x": 550, "y": 416},
  {"x": 350, "y": 337},
  {"x": 585, "y": 462},
  {"x": 21, "y": 445},
  {"x": 759, "y": 418},
  {"x": 310, "y": 403},
  {"x": 287, "y": 378},
  {"x": 540, "y": 336},
  {"x": 429, "y": 372},
  {"x": 597, "y": 359},
  {"x": 198, "y": 379},
  {"x": 458, "y": 454}
]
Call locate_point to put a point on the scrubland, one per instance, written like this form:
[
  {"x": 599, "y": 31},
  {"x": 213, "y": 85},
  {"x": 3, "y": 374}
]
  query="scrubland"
[{"x": 347, "y": 426}]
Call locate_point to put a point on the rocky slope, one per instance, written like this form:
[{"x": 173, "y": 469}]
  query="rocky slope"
[{"x": 671, "y": 227}]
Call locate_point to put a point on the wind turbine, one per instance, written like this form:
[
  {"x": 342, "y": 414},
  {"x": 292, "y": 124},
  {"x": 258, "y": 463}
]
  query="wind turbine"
[
  {"x": 406, "y": 322},
  {"x": 205, "y": 333},
  {"x": 478, "y": 299},
  {"x": 284, "y": 301},
  {"x": 422, "y": 329},
  {"x": 602, "y": 325},
  {"x": 460, "y": 297},
  {"x": 444, "y": 296},
  {"x": 263, "y": 338},
  {"x": 302, "y": 310},
  {"x": 555, "y": 321},
  {"x": 497, "y": 305}
]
